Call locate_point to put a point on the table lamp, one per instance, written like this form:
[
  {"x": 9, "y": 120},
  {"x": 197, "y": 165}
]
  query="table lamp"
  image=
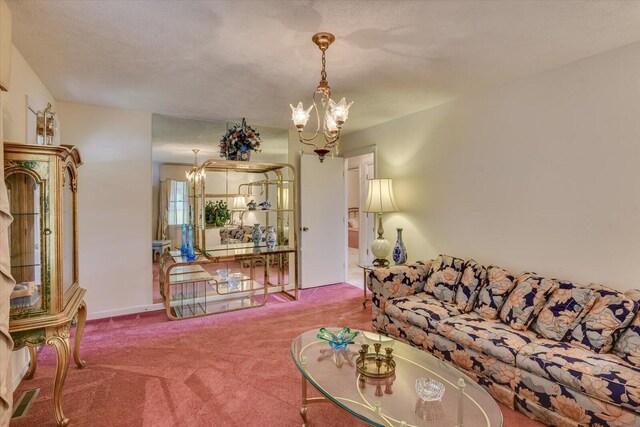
[{"x": 380, "y": 200}]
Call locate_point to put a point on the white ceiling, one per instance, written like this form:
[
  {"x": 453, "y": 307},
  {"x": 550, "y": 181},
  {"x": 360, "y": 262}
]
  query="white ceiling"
[
  {"x": 230, "y": 59},
  {"x": 174, "y": 138}
]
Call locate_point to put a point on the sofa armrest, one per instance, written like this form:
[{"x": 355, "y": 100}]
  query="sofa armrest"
[{"x": 397, "y": 281}]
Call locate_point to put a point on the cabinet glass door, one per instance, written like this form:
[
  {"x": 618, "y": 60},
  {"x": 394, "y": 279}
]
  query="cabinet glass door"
[
  {"x": 26, "y": 241},
  {"x": 68, "y": 232}
]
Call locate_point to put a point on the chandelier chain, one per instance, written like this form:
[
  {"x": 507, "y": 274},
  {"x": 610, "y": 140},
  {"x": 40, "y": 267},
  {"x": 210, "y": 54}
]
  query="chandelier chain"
[{"x": 323, "y": 73}]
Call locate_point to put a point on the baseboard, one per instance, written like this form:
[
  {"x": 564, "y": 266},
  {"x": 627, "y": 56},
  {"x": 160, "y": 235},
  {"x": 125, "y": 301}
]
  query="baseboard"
[{"x": 124, "y": 311}]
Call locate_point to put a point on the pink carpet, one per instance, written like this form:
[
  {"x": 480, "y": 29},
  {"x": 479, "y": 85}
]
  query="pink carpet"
[{"x": 232, "y": 369}]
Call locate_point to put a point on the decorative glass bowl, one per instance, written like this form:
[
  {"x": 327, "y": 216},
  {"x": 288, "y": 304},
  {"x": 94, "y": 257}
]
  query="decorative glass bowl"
[
  {"x": 338, "y": 338},
  {"x": 234, "y": 280},
  {"x": 429, "y": 390},
  {"x": 223, "y": 273}
]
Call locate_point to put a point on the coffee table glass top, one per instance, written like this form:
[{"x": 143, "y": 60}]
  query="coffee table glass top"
[{"x": 334, "y": 374}]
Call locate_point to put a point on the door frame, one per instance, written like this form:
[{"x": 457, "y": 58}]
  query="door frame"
[{"x": 369, "y": 149}]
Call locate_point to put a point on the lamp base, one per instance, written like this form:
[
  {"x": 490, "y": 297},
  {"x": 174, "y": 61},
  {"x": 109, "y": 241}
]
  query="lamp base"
[
  {"x": 380, "y": 262},
  {"x": 381, "y": 248}
]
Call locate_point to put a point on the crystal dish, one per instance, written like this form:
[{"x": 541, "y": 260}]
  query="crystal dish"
[
  {"x": 429, "y": 390},
  {"x": 234, "y": 280}
]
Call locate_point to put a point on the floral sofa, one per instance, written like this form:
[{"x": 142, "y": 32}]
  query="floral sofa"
[{"x": 562, "y": 353}]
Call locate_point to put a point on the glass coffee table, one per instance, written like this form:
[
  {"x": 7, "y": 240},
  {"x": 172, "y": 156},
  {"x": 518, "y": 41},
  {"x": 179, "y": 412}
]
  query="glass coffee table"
[{"x": 391, "y": 401}]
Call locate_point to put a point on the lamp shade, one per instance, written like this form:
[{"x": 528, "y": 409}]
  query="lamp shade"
[
  {"x": 380, "y": 196},
  {"x": 239, "y": 203}
]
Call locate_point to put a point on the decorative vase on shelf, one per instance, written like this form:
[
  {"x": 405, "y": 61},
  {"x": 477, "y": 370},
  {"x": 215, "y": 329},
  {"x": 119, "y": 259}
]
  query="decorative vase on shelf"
[
  {"x": 399, "y": 251},
  {"x": 271, "y": 237},
  {"x": 191, "y": 255},
  {"x": 183, "y": 248},
  {"x": 256, "y": 234}
]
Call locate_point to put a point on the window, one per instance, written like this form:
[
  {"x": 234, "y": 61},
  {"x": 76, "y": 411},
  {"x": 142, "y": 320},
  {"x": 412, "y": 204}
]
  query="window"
[{"x": 179, "y": 203}]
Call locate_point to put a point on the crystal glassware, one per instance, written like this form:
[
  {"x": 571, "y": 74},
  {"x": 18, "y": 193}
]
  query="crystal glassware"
[
  {"x": 223, "y": 273},
  {"x": 234, "y": 280},
  {"x": 429, "y": 390}
]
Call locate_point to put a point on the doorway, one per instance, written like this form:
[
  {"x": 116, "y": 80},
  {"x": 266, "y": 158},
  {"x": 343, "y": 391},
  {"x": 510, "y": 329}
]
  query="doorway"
[{"x": 360, "y": 225}]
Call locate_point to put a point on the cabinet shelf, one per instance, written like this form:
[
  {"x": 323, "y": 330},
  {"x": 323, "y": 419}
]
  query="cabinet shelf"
[
  {"x": 25, "y": 265},
  {"x": 261, "y": 210},
  {"x": 211, "y": 307}
]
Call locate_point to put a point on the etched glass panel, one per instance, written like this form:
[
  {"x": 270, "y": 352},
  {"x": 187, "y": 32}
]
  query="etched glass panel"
[
  {"x": 25, "y": 237},
  {"x": 68, "y": 233}
]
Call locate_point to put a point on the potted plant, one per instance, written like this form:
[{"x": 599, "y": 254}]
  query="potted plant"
[{"x": 216, "y": 213}]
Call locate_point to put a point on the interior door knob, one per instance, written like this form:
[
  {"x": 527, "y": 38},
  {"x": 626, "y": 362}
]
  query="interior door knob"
[{"x": 305, "y": 228}]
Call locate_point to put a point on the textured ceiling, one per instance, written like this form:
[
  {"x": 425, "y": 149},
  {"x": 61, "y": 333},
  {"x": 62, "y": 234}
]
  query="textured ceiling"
[
  {"x": 225, "y": 60},
  {"x": 174, "y": 137}
]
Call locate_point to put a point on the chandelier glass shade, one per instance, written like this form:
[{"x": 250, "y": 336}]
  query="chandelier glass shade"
[
  {"x": 194, "y": 175},
  {"x": 334, "y": 116}
]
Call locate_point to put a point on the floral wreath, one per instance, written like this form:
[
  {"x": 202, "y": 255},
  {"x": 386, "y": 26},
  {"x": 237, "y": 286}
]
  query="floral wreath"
[{"x": 239, "y": 142}]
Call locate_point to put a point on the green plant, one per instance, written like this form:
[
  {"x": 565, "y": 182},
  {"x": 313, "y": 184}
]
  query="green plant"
[{"x": 216, "y": 213}]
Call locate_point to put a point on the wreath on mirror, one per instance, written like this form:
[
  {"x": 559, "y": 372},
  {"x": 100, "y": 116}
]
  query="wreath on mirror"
[{"x": 239, "y": 142}]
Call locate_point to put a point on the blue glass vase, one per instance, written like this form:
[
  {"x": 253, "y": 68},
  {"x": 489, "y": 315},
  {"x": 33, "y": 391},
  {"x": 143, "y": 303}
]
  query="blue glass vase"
[
  {"x": 191, "y": 255},
  {"x": 399, "y": 252},
  {"x": 183, "y": 248}
]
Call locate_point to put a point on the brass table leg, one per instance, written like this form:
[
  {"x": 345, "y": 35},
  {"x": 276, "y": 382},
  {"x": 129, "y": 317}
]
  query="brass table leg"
[
  {"x": 303, "y": 408},
  {"x": 364, "y": 288},
  {"x": 82, "y": 319},
  {"x": 33, "y": 363},
  {"x": 60, "y": 342}
]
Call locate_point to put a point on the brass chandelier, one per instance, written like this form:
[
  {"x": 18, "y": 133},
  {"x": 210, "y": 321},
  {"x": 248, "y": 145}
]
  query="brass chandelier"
[{"x": 335, "y": 114}]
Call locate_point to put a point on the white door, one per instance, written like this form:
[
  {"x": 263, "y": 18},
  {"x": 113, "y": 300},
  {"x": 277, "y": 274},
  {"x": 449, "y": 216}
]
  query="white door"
[
  {"x": 322, "y": 221},
  {"x": 367, "y": 220}
]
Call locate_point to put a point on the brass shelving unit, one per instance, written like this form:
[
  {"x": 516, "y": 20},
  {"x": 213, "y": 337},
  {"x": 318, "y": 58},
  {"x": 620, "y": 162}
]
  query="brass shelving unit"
[{"x": 194, "y": 288}]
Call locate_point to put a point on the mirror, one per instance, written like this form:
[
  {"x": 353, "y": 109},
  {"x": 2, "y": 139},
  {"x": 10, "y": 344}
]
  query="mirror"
[
  {"x": 173, "y": 141},
  {"x": 26, "y": 240},
  {"x": 68, "y": 232}
]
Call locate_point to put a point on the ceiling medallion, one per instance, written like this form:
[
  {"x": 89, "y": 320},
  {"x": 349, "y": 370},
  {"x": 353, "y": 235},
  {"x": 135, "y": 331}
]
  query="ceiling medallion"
[{"x": 335, "y": 114}]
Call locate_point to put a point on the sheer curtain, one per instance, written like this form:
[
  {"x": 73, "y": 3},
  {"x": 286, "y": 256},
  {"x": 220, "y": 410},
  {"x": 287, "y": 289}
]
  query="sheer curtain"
[
  {"x": 163, "y": 209},
  {"x": 6, "y": 286},
  {"x": 173, "y": 210}
]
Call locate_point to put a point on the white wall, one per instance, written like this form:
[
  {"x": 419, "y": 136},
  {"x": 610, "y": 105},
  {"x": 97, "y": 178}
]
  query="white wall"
[
  {"x": 24, "y": 82},
  {"x": 540, "y": 174},
  {"x": 114, "y": 198}
]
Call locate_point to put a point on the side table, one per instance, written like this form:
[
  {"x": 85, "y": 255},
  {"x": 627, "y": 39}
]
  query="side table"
[{"x": 366, "y": 268}]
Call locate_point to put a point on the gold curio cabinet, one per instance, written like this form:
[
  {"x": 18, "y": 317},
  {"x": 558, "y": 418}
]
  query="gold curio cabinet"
[{"x": 42, "y": 188}]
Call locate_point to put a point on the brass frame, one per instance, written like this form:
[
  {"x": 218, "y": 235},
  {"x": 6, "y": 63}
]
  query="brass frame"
[{"x": 33, "y": 328}]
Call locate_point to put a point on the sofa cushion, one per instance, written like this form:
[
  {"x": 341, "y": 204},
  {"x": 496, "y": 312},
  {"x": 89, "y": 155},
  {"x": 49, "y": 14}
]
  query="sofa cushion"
[
  {"x": 604, "y": 377},
  {"x": 473, "y": 279},
  {"x": 526, "y": 300},
  {"x": 443, "y": 278},
  {"x": 627, "y": 345},
  {"x": 492, "y": 296},
  {"x": 421, "y": 310},
  {"x": 561, "y": 406},
  {"x": 406, "y": 332},
  {"x": 611, "y": 312},
  {"x": 486, "y": 336},
  {"x": 477, "y": 362},
  {"x": 564, "y": 309}
]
